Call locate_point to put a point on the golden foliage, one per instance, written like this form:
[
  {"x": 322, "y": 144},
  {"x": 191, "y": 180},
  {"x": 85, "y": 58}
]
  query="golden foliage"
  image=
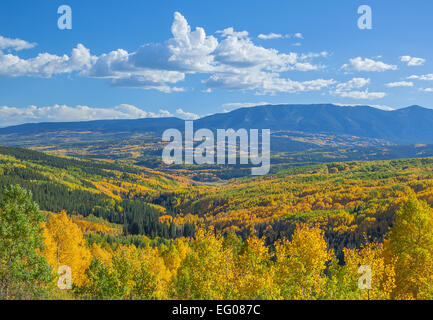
[
  {"x": 301, "y": 263},
  {"x": 65, "y": 245}
]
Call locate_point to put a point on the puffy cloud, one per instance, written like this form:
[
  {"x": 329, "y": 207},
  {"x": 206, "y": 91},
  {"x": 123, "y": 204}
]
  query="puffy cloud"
[
  {"x": 347, "y": 90},
  {"x": 44, "y": 65},
  {"x": 355, "y": 83},
  {"x": 231, "y": 32},
  {"x": 273, "y": 35},
  {"x": 187, "y": 51},
  {"x": 426, "y": 89},
  {"x": 186, "y": 115},
  {"x": 425, "y": 77},
  {"x": 312, "y": 55},
  {"x": 265, "y": 82},
  {"x": 400, "y": 84},
  {"x": 240, "y": 52},
  {"x": 153, "y": 66},
  {"x": 110, "y": 65},
  {"x": 360, "y": 64},
  {"x": 270, "y": 36},
  {"x": 363, "y": 95},
  {"x": 233, "y": 61},
  {"x": 412, "y": 61},
  {"x": 117, "y": 66},
  {"x": 62, "y": 113},
  {"x": 156, "y": 66},
  {"x": 161, "y": 114},
  {"x": 243, "y": 65},
  {"x": 15, "y": 44}
]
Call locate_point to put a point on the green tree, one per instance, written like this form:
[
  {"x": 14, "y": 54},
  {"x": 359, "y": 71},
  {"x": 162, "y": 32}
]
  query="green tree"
[
  {"x": 103, "y": 284},
  {"x": 24, "y": 272},
  {"x": 145, "y": 285}
]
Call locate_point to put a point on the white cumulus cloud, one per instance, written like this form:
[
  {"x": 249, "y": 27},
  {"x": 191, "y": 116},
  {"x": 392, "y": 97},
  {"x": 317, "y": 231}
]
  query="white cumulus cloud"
[
  {"x": 363, "y": 95},
  {"x": 229, "y": 60},
  {"x": 349, "y": 90},
  {"x": 400, "y": 84},
  {"x": 426, "y": 89},
  {"x": 355, "y": 83},
  {"x": 425, "y": 77},
  {"x": 45, "y": 65},
  {"x": 412, "y": 61},
  {"x": 63, "y": 113},
  {"x": 15, "y": 44},
  {"x": 366, "y": 64},
  {"x": 270, "y": 36},
  {"x": 186, "y": 115},
  {"x": 265, "y": 83},
  {"x": 232, "y": 62}
]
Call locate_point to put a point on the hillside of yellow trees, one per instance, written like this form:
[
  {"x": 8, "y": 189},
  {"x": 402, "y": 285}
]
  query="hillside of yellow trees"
[{"x": 127, "y": 232}]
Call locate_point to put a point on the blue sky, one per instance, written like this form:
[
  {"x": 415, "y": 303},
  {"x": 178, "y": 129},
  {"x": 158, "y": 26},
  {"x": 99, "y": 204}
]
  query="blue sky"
[{"x": 130, "y": 59}]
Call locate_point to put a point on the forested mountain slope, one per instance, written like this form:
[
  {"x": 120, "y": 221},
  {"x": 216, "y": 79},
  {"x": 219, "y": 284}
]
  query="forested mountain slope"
[
  {"x": 350, "y": 200},
  {"x": 117, "y": 192}
]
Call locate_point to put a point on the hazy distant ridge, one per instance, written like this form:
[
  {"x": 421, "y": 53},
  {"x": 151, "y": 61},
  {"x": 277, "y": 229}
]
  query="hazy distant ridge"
[{"x": 409, "y": 125}]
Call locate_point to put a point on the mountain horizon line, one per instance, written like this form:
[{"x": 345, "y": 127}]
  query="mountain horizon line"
[
  {"x": 410, "y": 125},
  {"x": 350, "y": 106}
]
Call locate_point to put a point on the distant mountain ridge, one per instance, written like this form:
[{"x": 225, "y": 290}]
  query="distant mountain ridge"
[{"x": 411, "y": 125}]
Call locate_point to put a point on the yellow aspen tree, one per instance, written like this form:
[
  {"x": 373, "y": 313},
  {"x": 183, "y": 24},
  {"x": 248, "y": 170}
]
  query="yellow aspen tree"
[
  {"x": 382, "y": 273},
  {"x": 207, "y": 271},
  {"x": 410, "y": 247},
  {"x": 301, "y": 262},
  {"x": 65, "y": 245},
  {"x": 253, "y": 272},
  {"x": 174, "y": 254},
  {"x": 125, "y": 265},
  {"x": 105, "y": 255},
  {"x": 154, "y": 263},
  {"x": 140, "y": 272}
]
